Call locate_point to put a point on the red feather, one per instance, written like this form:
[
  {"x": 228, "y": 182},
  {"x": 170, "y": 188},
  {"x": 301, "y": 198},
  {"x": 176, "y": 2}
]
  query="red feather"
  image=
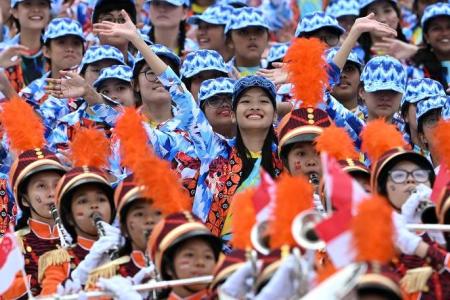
[
  {"x": 23, "y": 126},
  {"x": 336, "y": 142},
  {"x": 442, "y": 135},
  {"x": 307, "y": 69},
  {"x": 243, "y": 213},
  {"x": 90, "y": 147}
]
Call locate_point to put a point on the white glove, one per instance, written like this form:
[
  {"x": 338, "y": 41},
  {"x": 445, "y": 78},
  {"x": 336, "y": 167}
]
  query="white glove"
[
  {"x": 239, "y": 283},
  {"x": 71, "y": 286},
  {"x": 405, "y": 240},
  {"x": 121, "y": 287},
  {"x": 286, "y": 282},
  {"x": 98, "y": 253},
  {"x": 144, "y": 273},
  {"x": 409, "y": 208},
  {"x": 437, "y": 236}
]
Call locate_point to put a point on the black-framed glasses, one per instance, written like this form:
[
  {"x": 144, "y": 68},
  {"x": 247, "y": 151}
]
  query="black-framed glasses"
[
  {"x": 150, "y": 76},
  {"x": 112, "y": 19},
  {"x": 218, "y": 101},
  {"x": 330, "y": 39},
  {"x": 419, "y": 175}
]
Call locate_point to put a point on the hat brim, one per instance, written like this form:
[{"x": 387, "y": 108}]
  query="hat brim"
[
  {"x": 194, "y": 20},
  {"x": 382, "y": 86}
]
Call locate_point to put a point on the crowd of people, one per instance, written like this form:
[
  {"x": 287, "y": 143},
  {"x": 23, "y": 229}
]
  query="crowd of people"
[{"x": 274, "y": 149}]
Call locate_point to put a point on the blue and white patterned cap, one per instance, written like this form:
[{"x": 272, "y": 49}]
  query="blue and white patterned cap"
[
  {"x": 432, "y": 103},
  {"x": 212, "y": 87},
  {"x": 246, "y": 17},
  {"x": 15, "y": 2},
  {"x": 120, "y": 72},
  {"x": 435, "y": 10},
  {"x": 60, "y": 27},
  {"x": 161, "y": 51},
  {"x": 98, "y": 53},
  {"x": 365, "y": 3},
  {"x": 175, "y": 2},
  {"x": 217, "y": 15},
  {"x": 342, "y": 8},
  {"x": 253, "y": 81},
  {"x": 202, "y": 60},
  {"x": 446, "y": 111},
  {"x": 233, "y": 3},
  {"x": 352, "y": 57},
  {"x": 317, "y": 20},
  {"x": 384, "y": 73},
  {"x": 420, "y": 89},
  {"x": 277, "y": 52}
]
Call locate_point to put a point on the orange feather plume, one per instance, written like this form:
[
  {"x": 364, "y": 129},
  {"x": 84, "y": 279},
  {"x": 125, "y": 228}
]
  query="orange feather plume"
[
  {"x": 336, "y": 142},
  {"x": 307, "y": 70},
  {"x": 89, "y": 147},
  {"x": 294, "y": 195},
  {"x": 379, "y": 137},
  {"x": 151, "y": 172},
  {"x": 243, "y": 213},
  {"x": 23, "y": 126},
  {"x": 372, "y": 236},
  {"x": 442, "y": 135}
]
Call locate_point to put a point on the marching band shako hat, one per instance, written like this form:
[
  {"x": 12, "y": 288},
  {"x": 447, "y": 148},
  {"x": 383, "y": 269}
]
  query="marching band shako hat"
[
  {"x": 385, "y": 147},
  {"x": 227, "y": 265},
  {"x": 353, "y": 166},
  {"x": 125, "y": 193},
  {"x": 301, "y": 125},
  {"x": 89, "y": 152},
  {"x": 171, "y": 232},
  {"x": 25, "y": 132}
]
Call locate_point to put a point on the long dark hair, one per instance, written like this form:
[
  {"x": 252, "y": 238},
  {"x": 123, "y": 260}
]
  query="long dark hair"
[
  {"x": 365, "y": 40},
  {"x": 181, "y": 36},
  {"x": 426, "y": 58}
]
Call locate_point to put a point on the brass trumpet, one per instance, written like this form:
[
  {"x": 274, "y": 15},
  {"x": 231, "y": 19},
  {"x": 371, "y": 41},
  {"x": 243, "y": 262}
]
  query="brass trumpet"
[{"x": 303, "y": 230}]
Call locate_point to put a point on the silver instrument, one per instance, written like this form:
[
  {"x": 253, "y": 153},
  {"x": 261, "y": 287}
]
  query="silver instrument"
[
  {"x": 260, "y": 238},
  {"x": 64, "y": 237},
  {"x": 314, "y": 179},
  {"x": 303, "y": 230}
]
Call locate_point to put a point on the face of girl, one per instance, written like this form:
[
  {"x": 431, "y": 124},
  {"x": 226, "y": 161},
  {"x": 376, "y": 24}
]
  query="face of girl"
[
  {"x": 115, "y": 17},
  {"x": 254, "y": 110},
  {"x": 218, "y": 111},
  {"x": 93, "y": 70},
  {"x": 40, "y": 194},
  {"x": 166, "y": 15},
  {"x": 65, "y": 52},
  {"x": 303, "y": 159},
  {"x": 197, "y": 80},
  {"x": 249, "y": 43},
  {"x": 400, "y": 188},
  {"x": 151, "y": 89},
  {"x": 347, "y": 89},
  {"x": 32, "y": 14},
  {"x": 86, "y": 200},
  {"x": 381, "y": 104},
  {"x": 194, "y": 258},
  {"x": 140, "y": 220},
  {"x": 438, "y": 35},
  {"x": 118, "y": 90},
  {"x": 210, "y": 36},
  {"x": 384, "y": 13}
]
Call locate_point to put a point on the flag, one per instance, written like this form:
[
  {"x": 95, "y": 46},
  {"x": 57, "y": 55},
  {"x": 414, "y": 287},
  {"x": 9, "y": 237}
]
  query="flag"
[
  {"x": 441, "y": 181},
  {"x": 11, "y": 261},
  {"x": 344, "y": 193},
  {"x": 264, "y": 197}
]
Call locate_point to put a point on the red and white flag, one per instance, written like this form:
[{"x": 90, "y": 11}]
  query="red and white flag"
[
  {"x": 442, "y": 179},
  {"x": 264, "y": 197},
  {"x": 11, "y": 261},
  {"x": 345, "y": 194}
]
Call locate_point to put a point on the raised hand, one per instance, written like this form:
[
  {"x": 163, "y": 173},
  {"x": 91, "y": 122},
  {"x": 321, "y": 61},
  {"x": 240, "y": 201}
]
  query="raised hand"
[
  {"x": 70, "y": 85},
  {"x": 277, "y": 75},
  {"x": 11, "y": 55},
  {"x": 110, "y": 29},
  {"x": 395, "y": 48},
  {"x": 369, "y": 24}
]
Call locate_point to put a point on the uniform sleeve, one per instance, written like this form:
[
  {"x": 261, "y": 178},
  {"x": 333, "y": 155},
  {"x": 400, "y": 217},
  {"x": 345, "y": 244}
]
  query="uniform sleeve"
[{"x": 53, "y": 276}]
